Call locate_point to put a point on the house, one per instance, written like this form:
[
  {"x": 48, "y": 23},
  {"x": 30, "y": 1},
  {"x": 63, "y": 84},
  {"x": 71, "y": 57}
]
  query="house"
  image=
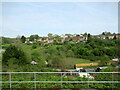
[
  {"x": 67, "y": 39},
  {"x": 63, "y": 36},
  {"x": 44, "y": 39},
  {"x": 79, "y": 38},
  {"x": 62, "y": 39},
  {"x": 99, "y": 36},
  {"x": 50, "y": 40},
  {"x": 117, "y": 36},
  {"x": 108, "y": 36},
  {"x": 39, "y": 40}
]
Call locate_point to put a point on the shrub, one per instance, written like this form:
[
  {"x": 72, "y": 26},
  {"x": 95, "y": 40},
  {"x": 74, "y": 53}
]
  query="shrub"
[
  {"x": 14, "y": 52},
  {"x": 34, "y": 46}
]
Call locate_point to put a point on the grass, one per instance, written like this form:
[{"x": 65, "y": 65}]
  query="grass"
[
  {"x": 73, "y": 61},
  {"x": 5, "y": 46}
]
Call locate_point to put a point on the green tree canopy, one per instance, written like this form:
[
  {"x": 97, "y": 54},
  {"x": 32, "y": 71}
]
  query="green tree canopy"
[
  {"x": 105, "y": 33},
  {"x": 33, "y": 37},
  {"x": 23, "y": 38},
  {"x": 50, "y": 35},
  {"x": 14, "y": 52}
]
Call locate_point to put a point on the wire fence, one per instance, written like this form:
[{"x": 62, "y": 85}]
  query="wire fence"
[{"x": 59, "y": 77}]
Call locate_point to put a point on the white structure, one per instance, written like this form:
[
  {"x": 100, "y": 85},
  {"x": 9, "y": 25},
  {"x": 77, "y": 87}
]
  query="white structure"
[
  {"x": 103, "y": 67},
  {"x": 115, "y": 60},
  {"x": 33, "y": 62},
  {"x": 86, "y": 75},
  {"x": 28, "y": 42},
  {"x": 78, "y": 69}
]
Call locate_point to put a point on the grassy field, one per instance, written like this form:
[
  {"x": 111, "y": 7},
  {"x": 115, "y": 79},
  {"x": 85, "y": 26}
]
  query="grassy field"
[{"x": 73, "y": 61}]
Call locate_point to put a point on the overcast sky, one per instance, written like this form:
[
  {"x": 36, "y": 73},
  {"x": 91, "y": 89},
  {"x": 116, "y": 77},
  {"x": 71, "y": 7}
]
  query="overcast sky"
[{"x": 25, "y": 18}]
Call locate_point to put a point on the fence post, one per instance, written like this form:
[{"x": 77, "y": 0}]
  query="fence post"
[
  {"x": 88, "y": 79},
  {"x": 35, "y": 80},
  {"x": 10, "y": 79},
  {"x": 61, "y": 79},
  {"x": 112, "y": 80},
  {"x": 0, "y": 81}
]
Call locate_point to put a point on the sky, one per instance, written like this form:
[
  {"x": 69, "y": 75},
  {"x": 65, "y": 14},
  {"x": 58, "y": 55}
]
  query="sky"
[{"x": 29, "y": 18}]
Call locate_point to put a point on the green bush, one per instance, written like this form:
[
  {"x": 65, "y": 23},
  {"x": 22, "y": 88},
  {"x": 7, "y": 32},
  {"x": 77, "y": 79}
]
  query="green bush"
[
  {"x": 34, "y": 46},
  {"x": 15, "y": 53}
]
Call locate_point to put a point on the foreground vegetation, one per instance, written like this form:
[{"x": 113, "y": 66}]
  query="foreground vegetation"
[
  {"x": 18, "y": 56},
  {"x": 57, "y": 77}
]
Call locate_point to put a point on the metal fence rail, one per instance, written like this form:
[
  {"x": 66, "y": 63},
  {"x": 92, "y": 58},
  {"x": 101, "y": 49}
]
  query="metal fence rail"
[
  {"x": 54, "y": 72},
  {"x": 61, "y": 80}
]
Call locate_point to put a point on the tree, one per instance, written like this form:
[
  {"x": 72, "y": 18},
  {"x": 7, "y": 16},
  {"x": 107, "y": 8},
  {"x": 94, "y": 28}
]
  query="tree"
[
  {"x": 106, "y": 33},
  {"x": 70, "y": 53},
  {"x": 89, "y": 35},
  {"x": 103, "y": 33},
  {"x": 111, "y": 52},
  {"x": 50, "y": 35},
  {"x": 23, "y": 38},
  {"x": 85, "y": 34},
  {"x": 14, "y": 52},
  {"x": 59, "y": 40},
  {"x": 82, "y": 52},
  {"x": 104, "y": 59},
  {"x": 36, "y": 57},
  {"x": 68, "y": 35},
  {"x": 55, "y": 42},
  {"x": 96, "y": 52},
  {"x": 115, "y": 37},
  {"x": 34, "y": 46},
  {"x": 58, "y": 62},
  {"x": 18, "y": 39},
  {"x": 33, "y": 37}
]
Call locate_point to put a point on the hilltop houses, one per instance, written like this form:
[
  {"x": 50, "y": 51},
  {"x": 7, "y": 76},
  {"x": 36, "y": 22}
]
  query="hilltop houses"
[
  {"x": 108, "y": 36},
  {"x": 74, "y": 38},
  {"x": 80, "y": 38}
]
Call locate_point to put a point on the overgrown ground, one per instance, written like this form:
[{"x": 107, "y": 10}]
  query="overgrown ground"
[
  {"x": 63, "y": 56},
  {"x": 57, "y": 77}
]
